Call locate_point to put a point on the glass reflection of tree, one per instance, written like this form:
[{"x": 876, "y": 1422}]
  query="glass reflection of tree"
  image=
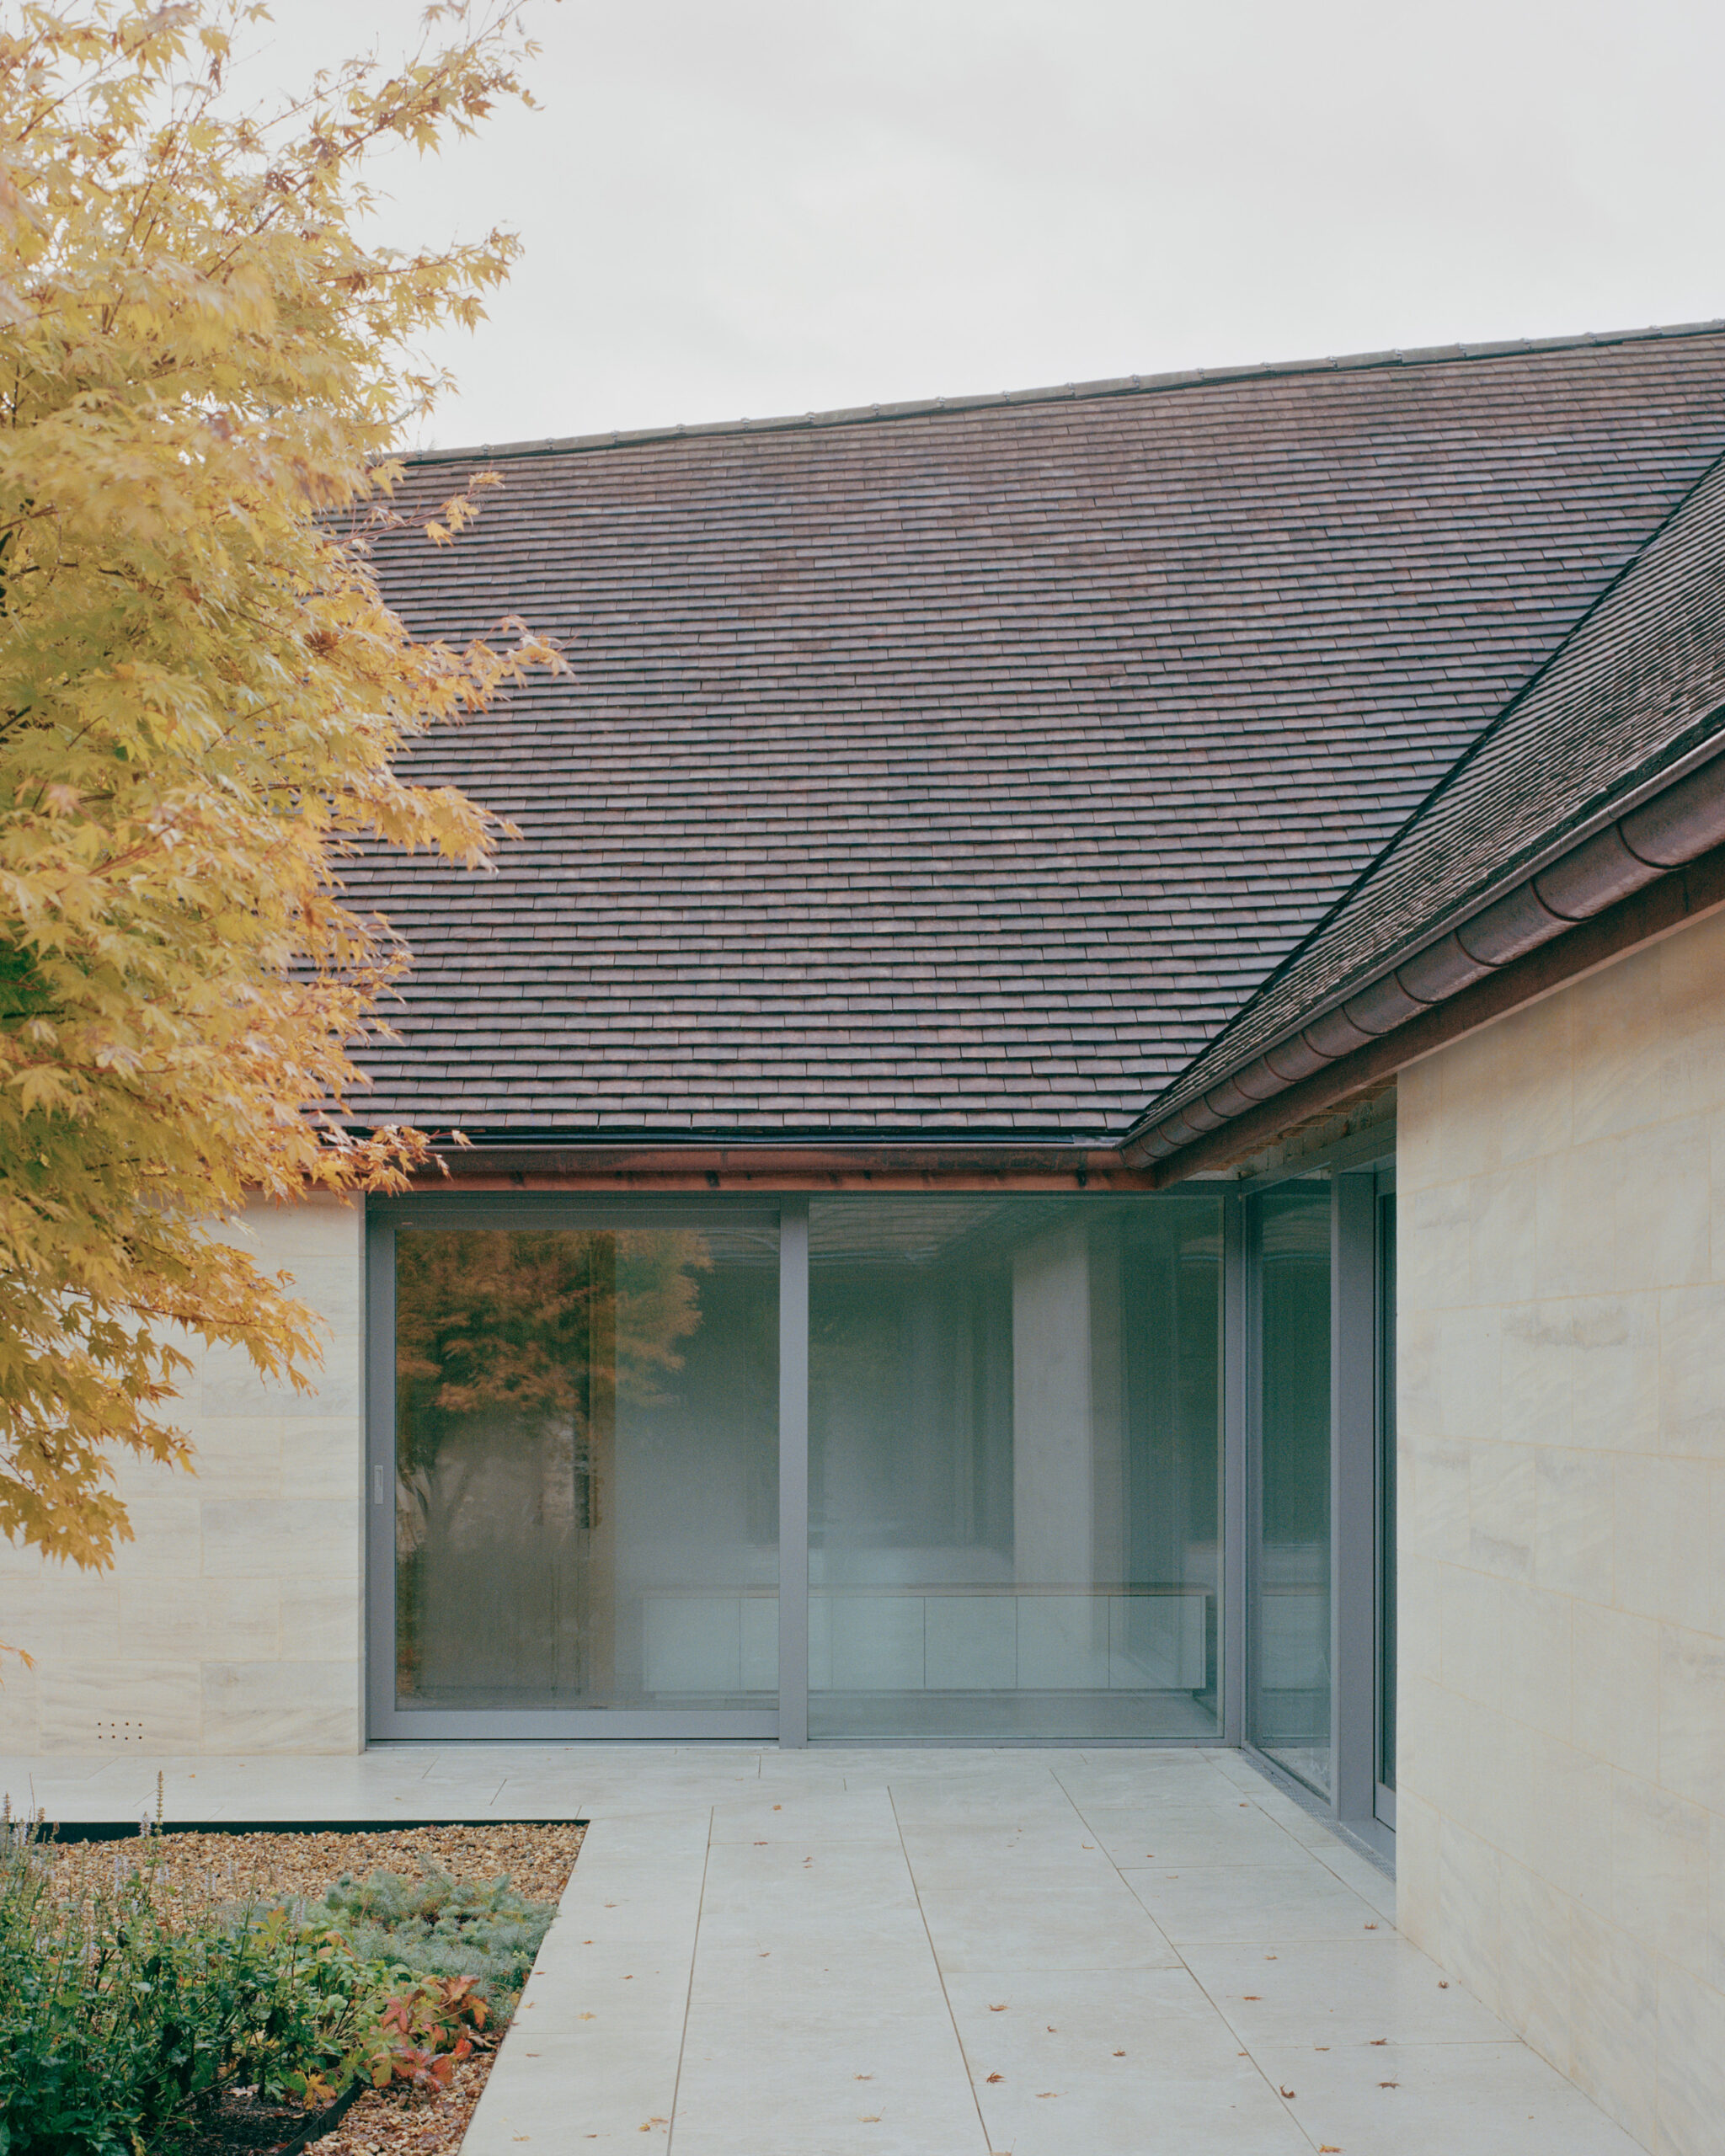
[{"x": 512, "y": 1348}]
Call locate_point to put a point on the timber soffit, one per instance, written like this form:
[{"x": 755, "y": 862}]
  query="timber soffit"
[
  {"x": 1605, "y": 772},
  {"x": 957, "y": 780}
]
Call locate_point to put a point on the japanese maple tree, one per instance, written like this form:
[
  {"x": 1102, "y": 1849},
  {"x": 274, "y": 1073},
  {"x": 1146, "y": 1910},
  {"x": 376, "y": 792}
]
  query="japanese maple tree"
[{"x": 205, "y": 365}]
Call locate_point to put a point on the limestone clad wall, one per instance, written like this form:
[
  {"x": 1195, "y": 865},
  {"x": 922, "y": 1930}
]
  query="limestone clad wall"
[
  {"x": 1561, "y": 1842},
  {"x": 233, "y": 1622}
]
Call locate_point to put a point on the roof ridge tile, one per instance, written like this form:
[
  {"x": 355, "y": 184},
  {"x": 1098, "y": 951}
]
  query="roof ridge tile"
[{"x": 1107, "y": 386}]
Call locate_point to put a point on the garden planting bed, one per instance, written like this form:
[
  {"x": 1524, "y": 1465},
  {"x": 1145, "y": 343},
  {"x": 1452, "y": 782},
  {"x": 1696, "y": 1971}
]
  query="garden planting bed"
[{"x": 273, "y": 1867}]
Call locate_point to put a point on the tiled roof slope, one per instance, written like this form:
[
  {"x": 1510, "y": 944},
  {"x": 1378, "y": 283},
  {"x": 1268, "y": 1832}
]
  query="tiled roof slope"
[
  {"x": 1637, "y": 690},
  {"x": 967, "y": 770}
]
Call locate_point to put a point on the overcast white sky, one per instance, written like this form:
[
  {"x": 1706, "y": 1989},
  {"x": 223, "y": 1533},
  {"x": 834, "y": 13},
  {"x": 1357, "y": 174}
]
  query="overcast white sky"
[{"x": 739, "y": 207}]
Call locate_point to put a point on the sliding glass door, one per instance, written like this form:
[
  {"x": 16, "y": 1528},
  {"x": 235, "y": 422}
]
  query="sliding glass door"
[
  {"x": 1318, "y": 1326},
  {"x": 575, "y": 1527},
  {"x": 1014, "y": 1467}
]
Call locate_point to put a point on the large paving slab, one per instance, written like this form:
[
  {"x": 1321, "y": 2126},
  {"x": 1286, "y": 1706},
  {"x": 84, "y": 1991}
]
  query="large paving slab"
[{"x": 931, "y": 1952}]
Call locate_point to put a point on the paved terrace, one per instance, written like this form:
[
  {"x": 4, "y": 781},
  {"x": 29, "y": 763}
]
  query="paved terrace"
[{"x": 932, "y": 1953}]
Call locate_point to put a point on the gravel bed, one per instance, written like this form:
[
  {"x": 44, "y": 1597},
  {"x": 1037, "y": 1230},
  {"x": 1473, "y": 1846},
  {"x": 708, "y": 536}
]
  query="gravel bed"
[
  {"x": 383, "y": 2125},
  {"x": 537, "y": 1860}
]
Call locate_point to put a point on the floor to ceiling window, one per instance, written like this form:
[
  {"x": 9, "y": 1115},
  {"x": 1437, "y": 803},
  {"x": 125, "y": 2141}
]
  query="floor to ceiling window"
[
  {"x": 589, "y": 1418},
  {"x": 585, "y": 1472},
  {"x": 1014, "y": 1465},
  {"x": 890, "y": 1467}
]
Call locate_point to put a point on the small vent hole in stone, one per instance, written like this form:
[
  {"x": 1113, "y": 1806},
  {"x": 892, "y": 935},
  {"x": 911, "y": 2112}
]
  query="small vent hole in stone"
[{"x": 120, "y": 1732}]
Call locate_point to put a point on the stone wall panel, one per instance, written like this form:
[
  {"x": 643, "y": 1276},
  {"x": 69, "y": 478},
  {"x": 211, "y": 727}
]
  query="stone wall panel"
[
  {"x": 1562, "y": 1493},
  {"x": 232, "y": 1622}
]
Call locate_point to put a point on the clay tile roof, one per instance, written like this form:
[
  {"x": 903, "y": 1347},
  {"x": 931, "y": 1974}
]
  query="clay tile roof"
[{"x": 968, "y": 768}]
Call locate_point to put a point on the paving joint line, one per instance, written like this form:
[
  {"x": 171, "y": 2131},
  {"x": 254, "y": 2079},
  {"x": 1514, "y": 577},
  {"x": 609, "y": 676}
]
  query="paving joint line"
[
  {"x": 940, "y": 1976},
  {"x": 676, "y": 2086}
]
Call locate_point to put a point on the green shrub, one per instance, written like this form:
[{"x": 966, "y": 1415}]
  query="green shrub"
[
  {"x": 128, "y": 2007},
  {"x": 438, "y": 1926}
]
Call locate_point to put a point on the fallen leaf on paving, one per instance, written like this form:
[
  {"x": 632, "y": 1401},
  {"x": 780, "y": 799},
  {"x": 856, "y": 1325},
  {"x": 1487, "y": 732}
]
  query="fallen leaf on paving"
[
  {"x": 1442, "y": 1986},
  {"x": 778, "y": 1807},
  {"x": 1119, "y": 2054},
  {"x": 584, "y": 2017},
  {"x": 863, "y": 2077},
  {"x": 1381, "y": 2039},
  {"x": 869, "y": 2118},
  {"x": 996, "y": 2077},
  {"x": 1389, "y": 2084},
  {"x": 1000, "y": 2008},
  {"x": 1288, "y": 2093},
  {"x": 1047, "y": 2092},
  {"x": 1371, "y": 1927},
  {"x": 1251, "y": 1997},
  {"x": 1052, "y": 2030}
]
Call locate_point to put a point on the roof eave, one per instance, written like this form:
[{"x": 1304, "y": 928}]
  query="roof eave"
[{"x": 1638, "y": 872}]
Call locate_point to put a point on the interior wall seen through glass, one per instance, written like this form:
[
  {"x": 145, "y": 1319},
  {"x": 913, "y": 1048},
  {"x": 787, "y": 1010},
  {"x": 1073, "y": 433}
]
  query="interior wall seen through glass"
[
  {"x": 587, "y": 1467},
  {"x": 1014, "y": 1466},
  {"x": 1291, "y": 1575}
]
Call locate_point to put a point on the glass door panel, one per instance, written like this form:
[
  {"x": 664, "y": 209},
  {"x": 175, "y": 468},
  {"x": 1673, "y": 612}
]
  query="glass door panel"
[
  {"x": 586, "y": 1468},
  {"x": 1014, "y": 1467},
  {"x": 1289, "y": 1570}
]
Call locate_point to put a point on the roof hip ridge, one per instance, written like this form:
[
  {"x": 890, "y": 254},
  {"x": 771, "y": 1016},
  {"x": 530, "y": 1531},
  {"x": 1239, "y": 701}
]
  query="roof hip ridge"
[{"x": 1168, "y": 1103}]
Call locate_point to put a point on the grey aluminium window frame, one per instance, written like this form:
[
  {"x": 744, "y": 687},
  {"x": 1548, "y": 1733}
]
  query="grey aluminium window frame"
[
  {"x": 1357, "y": 1171},
  {"x": 387, "y": 1721}
]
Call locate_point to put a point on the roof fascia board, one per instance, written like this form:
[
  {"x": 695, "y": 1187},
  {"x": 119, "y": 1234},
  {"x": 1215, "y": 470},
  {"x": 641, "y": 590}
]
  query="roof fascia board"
[{"x": 889, "y": 1166}]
